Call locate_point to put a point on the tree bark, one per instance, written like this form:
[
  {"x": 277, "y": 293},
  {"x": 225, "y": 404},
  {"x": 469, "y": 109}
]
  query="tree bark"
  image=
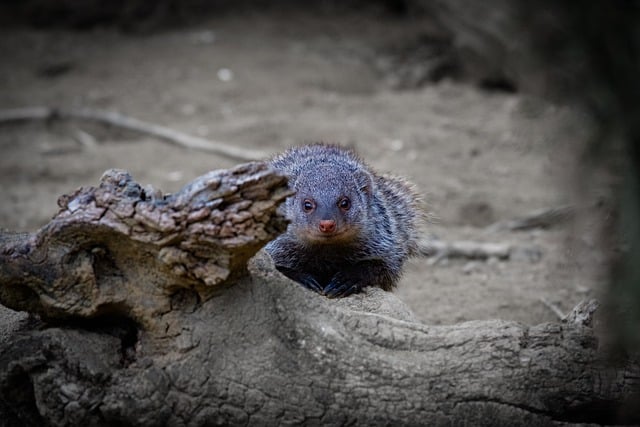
[
  {"x": 120, "y": 249},
  {"x": 150, "y": 317}
]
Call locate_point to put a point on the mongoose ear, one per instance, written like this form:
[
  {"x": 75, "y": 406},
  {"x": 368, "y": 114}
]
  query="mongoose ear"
[{"x": 365, "y": 182}]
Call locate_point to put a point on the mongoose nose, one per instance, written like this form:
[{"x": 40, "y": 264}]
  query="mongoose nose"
[{"x": 327, "y": 226}]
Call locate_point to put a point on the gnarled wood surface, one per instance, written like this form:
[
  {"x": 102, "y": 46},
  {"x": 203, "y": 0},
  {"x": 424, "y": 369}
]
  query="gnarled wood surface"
[
  {"x": 150, "y": 319},
  {"x": 120, "y": 249}
]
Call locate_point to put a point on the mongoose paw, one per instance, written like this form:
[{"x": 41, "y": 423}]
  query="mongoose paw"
[
  {"x": 305, "y": 279},
  {"x": 340, "y": 287}
]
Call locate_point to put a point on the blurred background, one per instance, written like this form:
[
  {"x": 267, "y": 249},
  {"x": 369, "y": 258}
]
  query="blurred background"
[{"x": 495, "y": 110}]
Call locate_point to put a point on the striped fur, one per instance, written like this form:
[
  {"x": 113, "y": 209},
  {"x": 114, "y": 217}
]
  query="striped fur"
[{"x": 380, "y": 229}]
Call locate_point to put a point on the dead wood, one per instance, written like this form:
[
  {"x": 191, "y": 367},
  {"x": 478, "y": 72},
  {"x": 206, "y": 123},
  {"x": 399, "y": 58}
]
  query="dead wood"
[
  {"x": 438, "y": 250},
  {"x": 151, "y": 319},
  {"x": 111, "y": 118},
  {"x": 553, "y": 307},
  {"x": 123, "y": 249}
]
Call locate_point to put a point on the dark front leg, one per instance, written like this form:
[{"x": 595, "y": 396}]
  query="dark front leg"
[
  {"x": 305, "y": 279},
  {"x": 352, "y": 279}
]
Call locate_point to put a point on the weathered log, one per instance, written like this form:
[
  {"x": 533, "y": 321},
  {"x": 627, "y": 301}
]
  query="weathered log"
[
  {"x": 121, "y": 249},
  {"x": 152, "y": 318}
]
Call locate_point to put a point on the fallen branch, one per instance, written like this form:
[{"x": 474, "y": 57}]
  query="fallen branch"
[
  {"x": 155, "y": 318},
  {"x": 104, "y": 237},
  {"x": 554, "y": 308},
  {"x": 543, "y": 218},
  {"x": 438, "y": 250},
  {"x": 118, "y": 120},
  {"x": 582, "y": 314}
]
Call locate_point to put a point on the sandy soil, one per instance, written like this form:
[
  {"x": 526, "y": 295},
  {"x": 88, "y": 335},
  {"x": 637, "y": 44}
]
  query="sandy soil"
[{"x": 476, "y": 156}]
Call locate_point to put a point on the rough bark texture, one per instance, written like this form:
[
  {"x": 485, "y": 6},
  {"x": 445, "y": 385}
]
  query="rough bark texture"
[
  {"x": 150, "y": 319},
  {"x": 123, "y": 250}
]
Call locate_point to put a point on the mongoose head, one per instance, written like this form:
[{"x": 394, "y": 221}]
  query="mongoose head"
[{"x": 330, "y": 205}]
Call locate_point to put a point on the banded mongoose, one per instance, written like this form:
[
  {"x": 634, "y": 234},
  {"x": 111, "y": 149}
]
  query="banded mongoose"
[{"x": 349, "y": 227}]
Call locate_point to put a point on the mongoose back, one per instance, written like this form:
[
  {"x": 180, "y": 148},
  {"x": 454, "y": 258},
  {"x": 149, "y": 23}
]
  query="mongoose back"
[{"x": 349, "y": 227}]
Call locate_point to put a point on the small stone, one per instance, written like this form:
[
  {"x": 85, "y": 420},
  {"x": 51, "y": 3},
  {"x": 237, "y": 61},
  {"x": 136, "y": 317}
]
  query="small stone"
[{"x": 225, "y": 75}]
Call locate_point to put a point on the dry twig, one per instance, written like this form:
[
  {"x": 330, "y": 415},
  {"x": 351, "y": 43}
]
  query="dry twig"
[
  {"x": 115, "y": 119},
  {"x": 439, "y": 250},
  {"x": 551, "y": 306}
]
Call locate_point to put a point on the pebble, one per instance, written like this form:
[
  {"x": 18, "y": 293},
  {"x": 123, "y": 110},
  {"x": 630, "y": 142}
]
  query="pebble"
[{"x": 225, "y": 75}]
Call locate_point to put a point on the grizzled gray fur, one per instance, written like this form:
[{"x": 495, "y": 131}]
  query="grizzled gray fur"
[{"x": 349, "y": 227}]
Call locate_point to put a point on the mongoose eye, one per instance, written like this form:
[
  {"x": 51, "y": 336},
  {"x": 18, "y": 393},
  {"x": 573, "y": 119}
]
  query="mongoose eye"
[
  {"x": 344, "y": 203},
  {"x": 308, "y": 205}
]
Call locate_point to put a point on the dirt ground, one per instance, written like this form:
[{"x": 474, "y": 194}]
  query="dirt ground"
[{"x": 274, "y": 80}]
